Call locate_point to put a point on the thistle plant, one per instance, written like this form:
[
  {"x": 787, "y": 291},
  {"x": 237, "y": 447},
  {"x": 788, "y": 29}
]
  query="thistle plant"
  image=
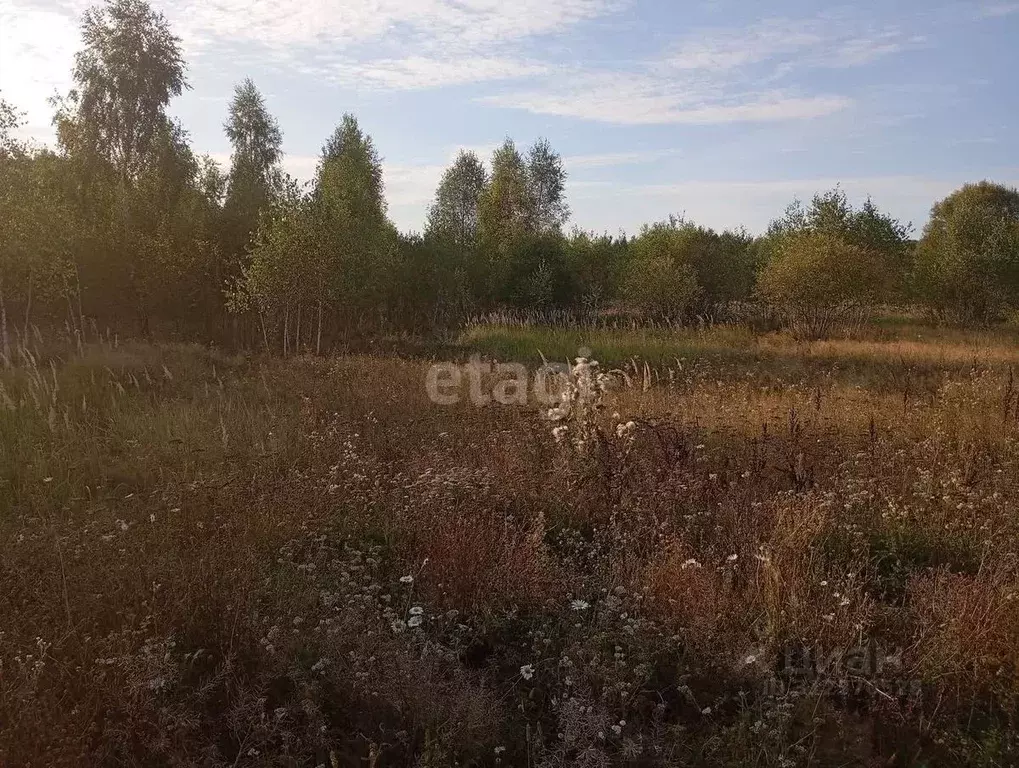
[{"x": 578, "y": 403}]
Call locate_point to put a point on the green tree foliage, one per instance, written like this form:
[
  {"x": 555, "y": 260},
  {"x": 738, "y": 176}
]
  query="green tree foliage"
[
  {"x": 126, "y": 225},
  {"x": 325, "y": 263},
  {"x": 134, "y": 189},
  {"x": 967, "y": 263},
  {"x": 520, "y": 215},
  {"x": 821, "y": 281},
  {"x": 35, "y": 232},
  {"x": 595, "y": 264},
  {"x": 705, "y": 268},
  {"x": 660, "y": 278},
  {"x": 275, "y": 281},
  {"x": 355, "y": 240},
  {"x": 546, "y": 189},
  {"x": 830, "y": 213},
  {"x": 129, "y": 69},
  {"x": 453, "y": 216},
  {"x": 254, "y": 168}
]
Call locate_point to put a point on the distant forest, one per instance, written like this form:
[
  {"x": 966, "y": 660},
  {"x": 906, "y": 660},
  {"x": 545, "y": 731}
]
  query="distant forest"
[{"x": 122, "y": 226}]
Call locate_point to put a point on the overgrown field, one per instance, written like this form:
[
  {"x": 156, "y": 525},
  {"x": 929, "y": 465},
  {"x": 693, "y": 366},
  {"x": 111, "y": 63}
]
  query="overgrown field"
[{"x": 768, "y": 554}]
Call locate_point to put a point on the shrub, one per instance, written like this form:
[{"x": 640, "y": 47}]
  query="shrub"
[
  {"x": 821, "y": 282},
  {"x": 967, "y": 264}
]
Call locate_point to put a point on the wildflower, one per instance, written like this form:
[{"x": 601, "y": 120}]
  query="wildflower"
[
  {"x": 624, "y": 429},
  {"x": 750, "y": 659},
  {"x": 398, "y": 625},
  {"x": 706, "y": 711},
  {"x": 617, "y": 729},
  {"x": 559, "y": 433},
  {"x": 417, "y": 610},
  {"x": 829, "y": 617},
  {"x": 691, "y": 563},
  {"x": 47, "y": 479},
  {"x": 579, "y": 605},
  {"x": 407, "y": 579},
  {"x": 732, "y": 558},
  {"x": 527, "y": 671},
  {"x": 499, "y": 750},
  {"x": 415, "y": 621}
]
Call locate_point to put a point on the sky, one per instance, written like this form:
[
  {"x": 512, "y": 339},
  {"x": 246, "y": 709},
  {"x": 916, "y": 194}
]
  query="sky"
[{"x": 723, "y": 111}]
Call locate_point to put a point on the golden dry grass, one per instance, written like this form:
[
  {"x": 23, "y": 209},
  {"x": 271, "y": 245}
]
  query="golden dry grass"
[{"x": 213, "y": 560}]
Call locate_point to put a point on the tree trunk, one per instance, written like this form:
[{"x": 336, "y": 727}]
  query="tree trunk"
[
  {"x": 28, "y": 304},
  {"x": 318, "y": 340},
  {"x": 81, "y": 315},
  {"x": 297, "y": 338},
  {"x": 286, "y": 330},
  {"x": 4, "y": 335},
  {"x": 265, "y": 336}
]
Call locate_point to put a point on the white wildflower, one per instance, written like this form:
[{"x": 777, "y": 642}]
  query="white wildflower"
[
  {"x": 732, "y": 558},
  {"x": 417, "y": 610},
  {"x": 579, "y": 605},
  {"x": 527, "y": 671},
  {"x": 407, "y": 579},
  {"x": 622, "y": 430},
  {"x": 415, "y": 621},
  {"x": 691, "y": 563}
]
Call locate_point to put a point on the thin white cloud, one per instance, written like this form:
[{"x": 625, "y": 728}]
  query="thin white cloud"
[
  {"x": 648, "y": 100},
  {"x": 386, "y": 44},
  {"x": 996, "y": 10},
  {"x": 721, "y": 75},
  {"x": 608, "y": 159},
  {"x": 419, "y": 72},
  {"x": 436, "y": 24}
]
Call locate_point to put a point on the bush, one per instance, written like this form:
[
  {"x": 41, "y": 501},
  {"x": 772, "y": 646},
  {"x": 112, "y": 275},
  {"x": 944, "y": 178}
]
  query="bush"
[
  {"x": 821, "y": 282},
  {"x": 967, "y": 264}
]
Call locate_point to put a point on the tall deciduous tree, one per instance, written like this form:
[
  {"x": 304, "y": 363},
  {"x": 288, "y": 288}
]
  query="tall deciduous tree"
[
  {"x": 830, "y": 214},
  {"x": 354, "y": 239},
  {"x": 453, "y": 216},
  {"x": 133, "y": 164},
  {"x": 254, "y": 167},
  {"x": 546, "y": 185},
  {"x": 968, "y": 260},
  {"x": 129, "y": 69}
]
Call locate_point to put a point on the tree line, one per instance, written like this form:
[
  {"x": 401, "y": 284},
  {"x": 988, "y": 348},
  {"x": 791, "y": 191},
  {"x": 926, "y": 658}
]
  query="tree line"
[{"x": 122, "y": 225}]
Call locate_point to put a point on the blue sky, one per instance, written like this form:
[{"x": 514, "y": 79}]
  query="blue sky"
[{"x": 722, "y": 110}]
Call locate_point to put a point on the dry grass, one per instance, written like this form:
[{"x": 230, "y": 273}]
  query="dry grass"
[{"x": 213, "y": 560}]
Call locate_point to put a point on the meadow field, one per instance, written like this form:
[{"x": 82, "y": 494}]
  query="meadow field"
[{"x": 765, "y": 553}]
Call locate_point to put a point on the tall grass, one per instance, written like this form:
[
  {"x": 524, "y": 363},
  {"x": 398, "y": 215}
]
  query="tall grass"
[{"x": 768, "y": 553}]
